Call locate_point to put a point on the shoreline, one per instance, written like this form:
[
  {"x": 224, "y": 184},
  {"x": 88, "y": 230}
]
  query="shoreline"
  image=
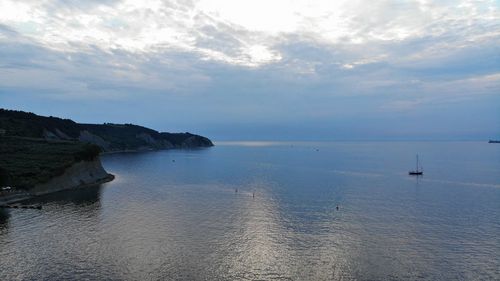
[
  {"x": 151, "y": 150},
  {"x": 79, "y": 175},
  {"x": 28, "y": 196}
]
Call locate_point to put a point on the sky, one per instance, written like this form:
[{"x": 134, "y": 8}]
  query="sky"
[{"x": 260, "y": 69}]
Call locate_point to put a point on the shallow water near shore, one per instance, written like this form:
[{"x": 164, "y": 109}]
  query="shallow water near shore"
[{"x": 268, "y": 211}]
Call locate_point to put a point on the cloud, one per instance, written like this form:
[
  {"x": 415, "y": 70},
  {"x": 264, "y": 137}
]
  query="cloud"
[
  {"x": 278, "y": 61},
  {"x": 242, "y": 33}
]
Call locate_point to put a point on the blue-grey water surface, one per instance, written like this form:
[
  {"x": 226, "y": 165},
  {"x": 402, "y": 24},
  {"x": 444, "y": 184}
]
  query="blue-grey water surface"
[{"x": 176, "y": 215}]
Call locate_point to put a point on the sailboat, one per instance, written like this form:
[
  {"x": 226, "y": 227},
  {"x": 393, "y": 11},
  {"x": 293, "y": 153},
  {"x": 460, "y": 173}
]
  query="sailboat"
[{"x": 417, "y": 172}]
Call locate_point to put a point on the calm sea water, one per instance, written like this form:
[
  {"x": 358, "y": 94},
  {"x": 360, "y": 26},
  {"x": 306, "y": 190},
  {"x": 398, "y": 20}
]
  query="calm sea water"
[{"x": 176, "y": 215}]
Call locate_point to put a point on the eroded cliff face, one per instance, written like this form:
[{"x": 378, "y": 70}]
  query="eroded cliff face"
[
  {"x": 196, "y": 141},
  {"x": 86, "y": 136},
  {"x": 109, "y": 137},
  {"x": 80, "y": 174},
  {"x": 152, "y": 143}
]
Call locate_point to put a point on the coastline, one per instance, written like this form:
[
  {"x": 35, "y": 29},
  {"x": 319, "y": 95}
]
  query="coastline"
[
  {"x": 79, "y": 175},
  {"x": 46, "y": 154},
  {"x": 151, "y": 149}
]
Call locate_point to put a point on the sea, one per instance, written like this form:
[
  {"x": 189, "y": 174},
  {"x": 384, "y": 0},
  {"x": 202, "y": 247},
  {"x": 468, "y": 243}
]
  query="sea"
[{"x": 270, "y": 211}]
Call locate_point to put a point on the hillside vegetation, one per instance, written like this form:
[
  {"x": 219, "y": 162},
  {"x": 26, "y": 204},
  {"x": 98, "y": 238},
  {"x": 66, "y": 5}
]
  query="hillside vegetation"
[
  {"x": 109, "y": 137},
  {"x": 35, "y": 149},
  {"x": 25, "y": 162}
]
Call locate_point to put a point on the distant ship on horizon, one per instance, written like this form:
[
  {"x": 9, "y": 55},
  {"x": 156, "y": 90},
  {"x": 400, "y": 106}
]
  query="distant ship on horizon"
[{"x": 494, "y": 141}]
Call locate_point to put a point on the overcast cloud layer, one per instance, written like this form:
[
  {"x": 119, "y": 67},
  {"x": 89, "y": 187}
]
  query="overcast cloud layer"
[{"x": 259, "y": 69}]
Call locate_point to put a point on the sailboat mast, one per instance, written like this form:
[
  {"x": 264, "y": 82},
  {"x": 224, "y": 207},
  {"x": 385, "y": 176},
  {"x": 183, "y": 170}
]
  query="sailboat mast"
[{"x": 417, "y": 163}]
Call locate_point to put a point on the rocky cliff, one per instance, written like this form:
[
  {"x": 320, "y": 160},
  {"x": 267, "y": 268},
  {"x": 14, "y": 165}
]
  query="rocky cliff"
[
  {"x": 80, "y": 174},
  {"x": 40, "y": 154},
  {"x": 109, "y": 137}
]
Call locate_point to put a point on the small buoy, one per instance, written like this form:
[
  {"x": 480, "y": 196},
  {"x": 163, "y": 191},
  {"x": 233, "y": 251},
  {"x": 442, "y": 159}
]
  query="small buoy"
[
  {"x": 337, "y": 207},
  {"x": 253, "y": 194}
]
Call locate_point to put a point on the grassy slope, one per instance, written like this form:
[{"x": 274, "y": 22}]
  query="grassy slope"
[{"x": 25, "y": 162}]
